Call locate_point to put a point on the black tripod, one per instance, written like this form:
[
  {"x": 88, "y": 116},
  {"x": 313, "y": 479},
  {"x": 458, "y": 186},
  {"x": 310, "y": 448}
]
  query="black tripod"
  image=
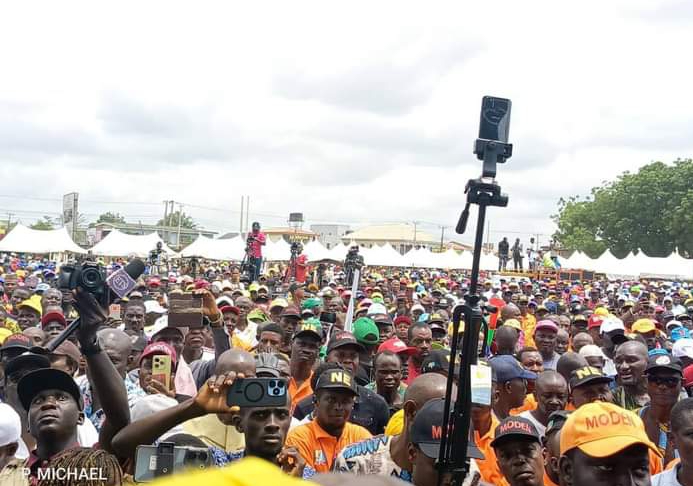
[{"x": 492, "y": 148}]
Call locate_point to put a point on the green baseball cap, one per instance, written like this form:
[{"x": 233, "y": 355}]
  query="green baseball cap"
[
  {"x": 366, "y": 331},
  {"x": 311, "y": 303}
]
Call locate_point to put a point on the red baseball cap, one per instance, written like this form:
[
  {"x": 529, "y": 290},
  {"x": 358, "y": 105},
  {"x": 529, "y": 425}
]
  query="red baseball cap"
[
  {"x": 396, "y": 345},
  {"x": 400, "y": 319},
  {"x": 230, "y": 308},
  {"x": 595, "y": 321},
  {"x": 53, "y": 316},
  {"x": 158, "y": 348}
]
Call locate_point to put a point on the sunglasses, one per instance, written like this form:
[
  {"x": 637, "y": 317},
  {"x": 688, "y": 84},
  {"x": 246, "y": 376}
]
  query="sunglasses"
[{"x": 668, "y": 381}]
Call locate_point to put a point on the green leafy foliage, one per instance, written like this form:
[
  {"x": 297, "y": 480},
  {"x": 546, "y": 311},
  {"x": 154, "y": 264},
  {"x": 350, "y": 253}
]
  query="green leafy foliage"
[
  {"x": 649, "y": 211},
  {"x": 172, "y": 220}
]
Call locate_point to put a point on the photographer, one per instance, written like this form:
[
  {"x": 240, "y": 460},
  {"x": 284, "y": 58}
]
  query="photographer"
[
  {"x": 352, "y": 262},
  {"x": 298, "y": 265},
  {"x": 254, "y": 243}
]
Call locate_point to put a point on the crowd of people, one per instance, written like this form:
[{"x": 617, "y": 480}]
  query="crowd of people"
[{"x": 591, "y": 382}]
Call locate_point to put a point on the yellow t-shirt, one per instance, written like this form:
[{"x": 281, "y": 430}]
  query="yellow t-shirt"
[
  {"x": 395, "y": 425},
  {"x": 250, "y": 471}
]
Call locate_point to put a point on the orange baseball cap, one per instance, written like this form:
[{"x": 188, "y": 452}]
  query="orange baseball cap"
[{"x": 601, "y": 429}]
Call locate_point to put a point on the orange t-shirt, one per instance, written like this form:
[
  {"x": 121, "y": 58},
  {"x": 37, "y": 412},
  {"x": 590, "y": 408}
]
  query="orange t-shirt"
[
  {"x": 298, "y": 393},
  {"x": 318, "y": 448},
  {"x": 547, "y": 480},
  {"x": 488, "y": 467},
  {"x": 530, "y": 404}
]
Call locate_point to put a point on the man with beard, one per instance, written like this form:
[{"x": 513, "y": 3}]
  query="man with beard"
[
  {"x": 304, "y": 352},
  {"x": 551, "y": 393},
  {"x": 630, "y": 359},
  {"x": 518, "y": 451},
  {"x": 545, "y": 336},
  {"x": 320, "y": 440},
  {"x": 664, "y": 380},
  {"x": 420, "y": 338}
]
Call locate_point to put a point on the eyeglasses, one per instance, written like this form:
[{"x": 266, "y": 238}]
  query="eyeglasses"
[{"x": 668, "y": 381}]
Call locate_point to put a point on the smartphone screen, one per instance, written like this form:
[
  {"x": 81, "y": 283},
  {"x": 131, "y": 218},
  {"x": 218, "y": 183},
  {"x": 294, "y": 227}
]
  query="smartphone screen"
[{"x": 161, "y": 369}]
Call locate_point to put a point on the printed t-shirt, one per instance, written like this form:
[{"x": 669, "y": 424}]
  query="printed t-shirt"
[{"x": 318, "y": 448}]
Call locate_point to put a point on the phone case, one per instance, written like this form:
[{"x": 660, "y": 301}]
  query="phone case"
[
  {"x": 257, "y": 392},
  {"x": 161, "y": 369}
]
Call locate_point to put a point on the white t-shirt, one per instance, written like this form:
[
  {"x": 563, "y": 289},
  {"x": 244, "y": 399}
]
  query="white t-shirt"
[
  {"x": 667, "y": 478},
  {"x": 541, "y": 428}
]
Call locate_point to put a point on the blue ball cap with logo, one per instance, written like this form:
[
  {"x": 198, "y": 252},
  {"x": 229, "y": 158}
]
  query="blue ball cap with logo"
[{"x": 506, "y": 368}]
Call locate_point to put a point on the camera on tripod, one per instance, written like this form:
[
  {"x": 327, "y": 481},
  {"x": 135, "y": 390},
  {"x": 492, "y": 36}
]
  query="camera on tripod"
[
  {"x": 88, "y": 275},
  {"x": 296, "y": 249}
]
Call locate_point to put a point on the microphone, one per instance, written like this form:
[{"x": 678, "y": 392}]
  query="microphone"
[{"x": 120, "y": 283}]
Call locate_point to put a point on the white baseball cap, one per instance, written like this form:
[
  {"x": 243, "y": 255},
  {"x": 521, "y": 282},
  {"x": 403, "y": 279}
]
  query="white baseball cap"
[
  {"x": 10, "y": 425},
  {"x": 683, "y": 348},
  {"x": 591, "y": 350},
  {"x": 376, "y": 308},
  {"x": 612, "y": 323}
]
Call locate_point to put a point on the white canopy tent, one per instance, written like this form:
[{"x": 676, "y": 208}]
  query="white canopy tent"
[
  {"x": 384, "y": 256},
  {"x": 276, "y": 251},
  {"x": 640, "y": 265},
  {"x": 226, "y": 249},
  {"x": 117, "y": 243},
  {"x": 26, "y": 240},
  {"x": 316, "y": 252}
]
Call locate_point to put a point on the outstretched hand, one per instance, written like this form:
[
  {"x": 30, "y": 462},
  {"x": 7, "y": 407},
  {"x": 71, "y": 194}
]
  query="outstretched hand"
[{"x": 212, "y": 396}]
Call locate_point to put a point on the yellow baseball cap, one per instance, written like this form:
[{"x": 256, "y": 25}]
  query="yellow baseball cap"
[
  {"x": 514, "y": 323},
  {"x": 601, "y": 429},
  {"x": 601, "y": 311},
  {"x": 33, "y": 302},
  {"x": 643, "y": 326}
]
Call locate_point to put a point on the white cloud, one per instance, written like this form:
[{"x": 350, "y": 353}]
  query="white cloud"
[{"x": 357, "y": 112}]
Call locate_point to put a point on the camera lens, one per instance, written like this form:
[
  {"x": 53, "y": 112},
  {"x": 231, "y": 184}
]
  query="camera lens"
[{"x": 91, "y": 278}]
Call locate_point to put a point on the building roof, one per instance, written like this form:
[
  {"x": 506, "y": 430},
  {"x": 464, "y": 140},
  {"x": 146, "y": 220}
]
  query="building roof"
[
  {"x": 288, "y": 230},
  {"x": 390, "y": 232}
]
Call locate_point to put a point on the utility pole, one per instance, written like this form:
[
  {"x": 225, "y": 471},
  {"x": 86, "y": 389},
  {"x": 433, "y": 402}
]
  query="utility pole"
[
  {"x": 415, "y": 223},
  {"x": 240, "y": 225},
  {"x": 442, "y": 235},
  {"x": 247, "y": 212},
  {"x": 164, "y": 235},
  {"x": 180, "y": 218}
]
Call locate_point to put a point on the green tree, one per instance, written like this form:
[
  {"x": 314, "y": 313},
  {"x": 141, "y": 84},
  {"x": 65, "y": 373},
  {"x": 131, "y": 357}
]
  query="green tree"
[
  {"x": 47, "y": 223},
  {"x": 172, "y": 220},
  {"x": 110, "y": 217},
  {"x": 649, "y": 211}
]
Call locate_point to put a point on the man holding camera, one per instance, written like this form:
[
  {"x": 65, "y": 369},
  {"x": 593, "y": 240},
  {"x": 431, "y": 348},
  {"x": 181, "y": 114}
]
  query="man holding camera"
[
  {"x": 298, "y": 265},
  {"x": 256, "y": 240}
]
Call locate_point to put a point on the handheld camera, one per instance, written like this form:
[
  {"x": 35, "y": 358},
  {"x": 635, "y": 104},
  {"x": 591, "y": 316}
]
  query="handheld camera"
[{"x": 88, "y": 275}]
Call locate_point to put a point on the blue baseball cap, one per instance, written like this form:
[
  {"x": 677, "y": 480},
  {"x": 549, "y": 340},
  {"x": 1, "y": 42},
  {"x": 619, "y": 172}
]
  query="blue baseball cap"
[
  {"x": 506, "y": 368},
  {"x": 679, "y": 333}
]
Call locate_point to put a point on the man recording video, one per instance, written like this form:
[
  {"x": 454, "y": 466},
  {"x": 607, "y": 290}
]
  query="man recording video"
[
  {"x": 352, "y": 262},
  {"x": 298, "y": 264},
  {"x": 256, "y": 240}
]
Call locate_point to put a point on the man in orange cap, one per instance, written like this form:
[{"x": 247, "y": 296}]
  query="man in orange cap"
[{"x": 604, "y": 445}]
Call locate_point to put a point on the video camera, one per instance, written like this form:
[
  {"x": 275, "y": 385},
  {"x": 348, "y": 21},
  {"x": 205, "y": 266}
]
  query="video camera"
[
  {"x": 296, "y": 248},
  {"x": 88, "y": 275}
]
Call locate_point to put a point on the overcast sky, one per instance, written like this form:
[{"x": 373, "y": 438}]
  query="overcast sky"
[{"x": 360, "y": 113}]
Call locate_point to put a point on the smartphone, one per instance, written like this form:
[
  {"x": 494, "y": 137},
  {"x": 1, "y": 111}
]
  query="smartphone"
[
  {"x": 153, "y": 461},
  {"x": 495, "y": 119},
  {"x": 185, "y": 310},
  {"x": 257, "y": 392},
  {"x": 161, "y": 369}
]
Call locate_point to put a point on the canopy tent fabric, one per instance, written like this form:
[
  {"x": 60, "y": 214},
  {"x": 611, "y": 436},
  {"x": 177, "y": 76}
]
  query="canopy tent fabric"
[
  {"x": 315, "y": 252},
  {"x": 227, "y": 249},
  {"x": 384, "y": 256},
  {"x": 633, "y": 266},
  {"x": 338, "y": 253},
  {"x": 26, "y": 240},
  {"x": 117, "y": 243},
  {"x": 276, "y": 251}
]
